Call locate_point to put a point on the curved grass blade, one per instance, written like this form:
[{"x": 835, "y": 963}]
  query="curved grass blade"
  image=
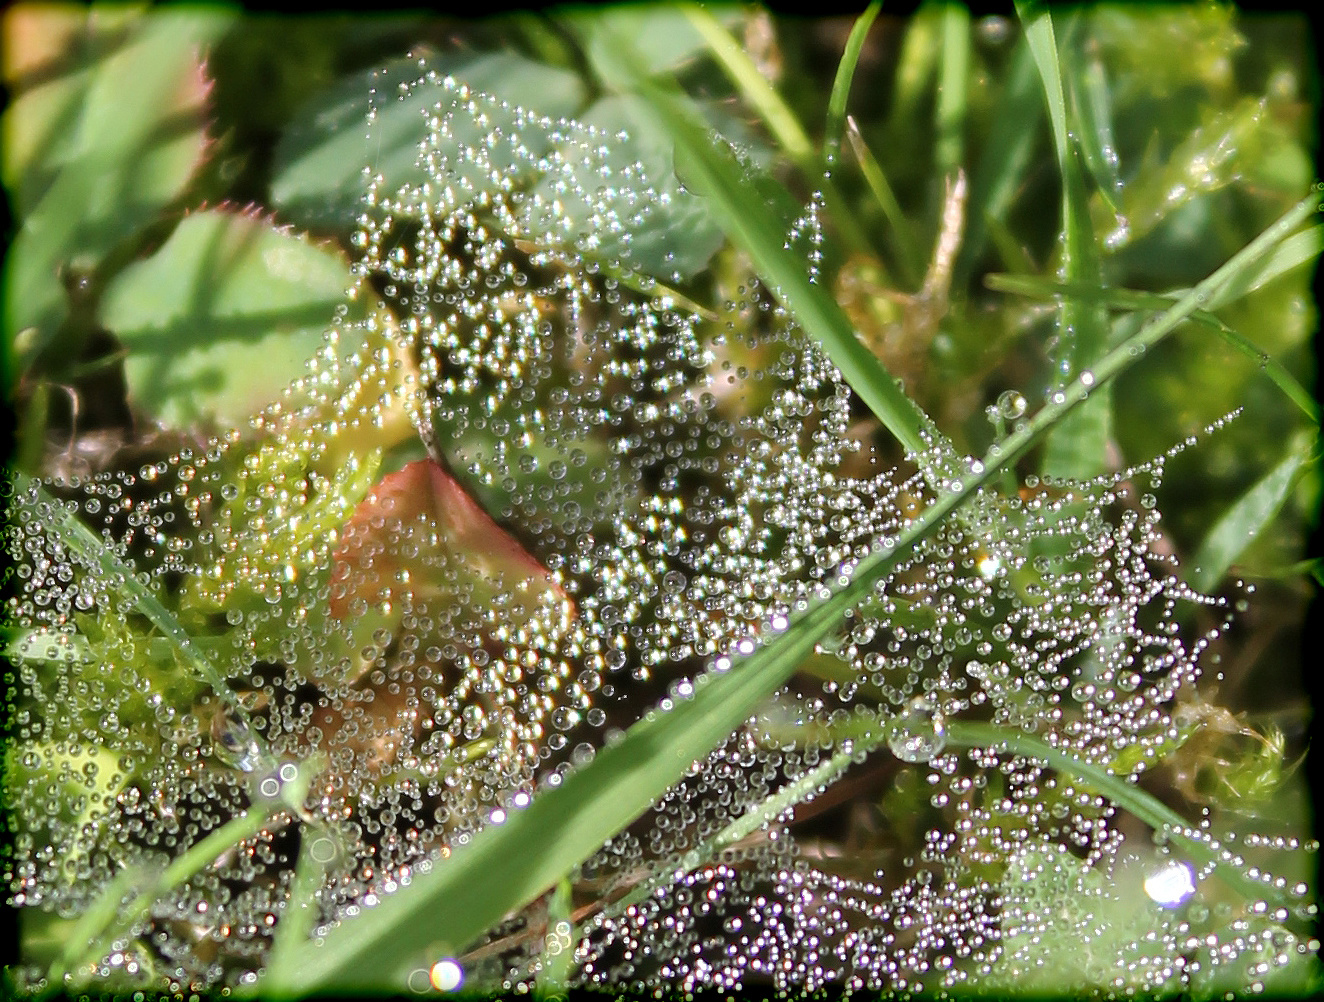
[
  {"x": 776, "y": 114},
  {"x": 1078, "y": 447},
  {"x": 1092, "y": 107},
  {"x": 1296, "y": 250},
  {"x": 715, "y": 173},
  {"x": 1129, "y": 299},
  {"x": 906, "y": 253},
  {"x": 321, "y": 846},
  {"x": 753, "y": 86},
  {"x": 1156, "y": 814},
  {"x": 94, "y": 552},
  {"x": 99, "y": 926},
  {"x": 1245, "y": 520},
  {"x": 869, "y": 731},
  {"x": 850, "y": 58}
]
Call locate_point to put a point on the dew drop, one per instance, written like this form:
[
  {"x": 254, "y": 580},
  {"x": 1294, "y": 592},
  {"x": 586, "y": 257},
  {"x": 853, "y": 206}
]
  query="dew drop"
[{"x": 919, "y": 731}]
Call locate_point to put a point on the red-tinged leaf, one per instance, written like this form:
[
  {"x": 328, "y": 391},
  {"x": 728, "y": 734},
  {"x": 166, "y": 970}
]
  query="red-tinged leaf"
[{"x": 419, "y": 535}]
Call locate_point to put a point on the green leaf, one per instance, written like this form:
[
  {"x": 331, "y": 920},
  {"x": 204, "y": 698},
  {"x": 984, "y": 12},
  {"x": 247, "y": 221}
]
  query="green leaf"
[
  {"x": 318, "y": 180},
  {"x": 1245, "y": 520},
  {"x": 1000, "y": 175},
  {"x": 222, "y": 318},
  {"x": 1076, "y": 448},
  {"x": 98, "y": 152},
  {"x": 1208, "y": 159},
  {"x": 850, "y": 58}
]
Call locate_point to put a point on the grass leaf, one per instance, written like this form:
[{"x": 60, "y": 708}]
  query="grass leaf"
[
  {"x": 1078, "y": 447},
  {"x": 953, "y": 79},
  {"x": 715, "y": 173},
  {"x": 1006, "y": 156},
  {"x": 1129, "y": 299},
  {"x": 1245, "y": 520},
  {"x": 850, "y": 58}
]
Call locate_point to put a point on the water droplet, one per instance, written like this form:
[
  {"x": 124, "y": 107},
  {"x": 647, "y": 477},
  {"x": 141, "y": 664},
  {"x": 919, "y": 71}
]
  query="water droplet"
[
  {"x": 919, "y": 731},
  {"x": 1011, "y": 405},
  {"x": 1171, "y": 884},
  {"x": 446, "y": 975}
]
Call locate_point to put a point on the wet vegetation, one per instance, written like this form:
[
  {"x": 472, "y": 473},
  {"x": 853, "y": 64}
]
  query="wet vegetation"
[{"x": 660, "y": 500}]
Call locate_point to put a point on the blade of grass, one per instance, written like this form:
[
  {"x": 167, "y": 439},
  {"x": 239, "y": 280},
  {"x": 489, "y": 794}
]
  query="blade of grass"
[
  {"x": 850, "y": 58},
  {"x": 106, "y": 920},
  {"x": 1156, "y": 814},
  {"x": 1001, "y": 170},
  {"x": 320, "y": 847},
  {"x": 779, "y": 118},
  {"x": 558, "y": 948},
  {"x": 1092, "y": 109},
  {"x": 753, "y": 85},
  {"x": 866, "y": 732},
  {"x": 920, "y": 48},
  {"x": 1293, "y": 252},
  {"x": 906, "y": 253},
  {"x": 1129, "y": 299},
  {"x": 1077, "y": 448},
  {"x": 1246, "y": 519},
  {"x": 494, "y": 873},
  {"x": 715, "y": 173},
  {"x": 949, "y": 115}
]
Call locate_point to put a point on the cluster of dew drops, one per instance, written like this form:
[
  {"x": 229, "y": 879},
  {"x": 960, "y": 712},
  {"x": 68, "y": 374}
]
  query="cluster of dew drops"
[{"x": 660, "y": 494}]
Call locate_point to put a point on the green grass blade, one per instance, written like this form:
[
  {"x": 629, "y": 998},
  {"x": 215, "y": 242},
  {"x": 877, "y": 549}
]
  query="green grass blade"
[
  {"x": 1092, "y": 108},
  {"x": 1003, "y": 164},
  {"x": 558, "y": 952},
  {"x": 779, "y": 118},
  {"x": 106, "y": 919},
  {"x": 906, "y": 253},
  {"x": 1077, "y": 448},
  {"x": 1296, "y": 250},
  {"x": 1156, "y": 814},
  {"x": 1246, "y": 519},
  {"x": 850, "y": 58},
  {"x": 714, "y": 172},
  {"x": 1130, "y": 299},
  {"x": 753, "y": 85},
  {"x": 953, "y": 79},
  {"x": 321, "y": 847}
]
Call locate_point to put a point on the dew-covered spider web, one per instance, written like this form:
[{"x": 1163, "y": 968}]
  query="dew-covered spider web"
[{"x": 383, "y": 654}]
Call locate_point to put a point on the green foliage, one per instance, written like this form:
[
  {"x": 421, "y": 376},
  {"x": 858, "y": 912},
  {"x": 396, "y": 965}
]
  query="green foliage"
[
  {"x": 222, "y": 318},
  {"x": 95, "y": 151},
  {"x": 1155, "y": 204}
]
